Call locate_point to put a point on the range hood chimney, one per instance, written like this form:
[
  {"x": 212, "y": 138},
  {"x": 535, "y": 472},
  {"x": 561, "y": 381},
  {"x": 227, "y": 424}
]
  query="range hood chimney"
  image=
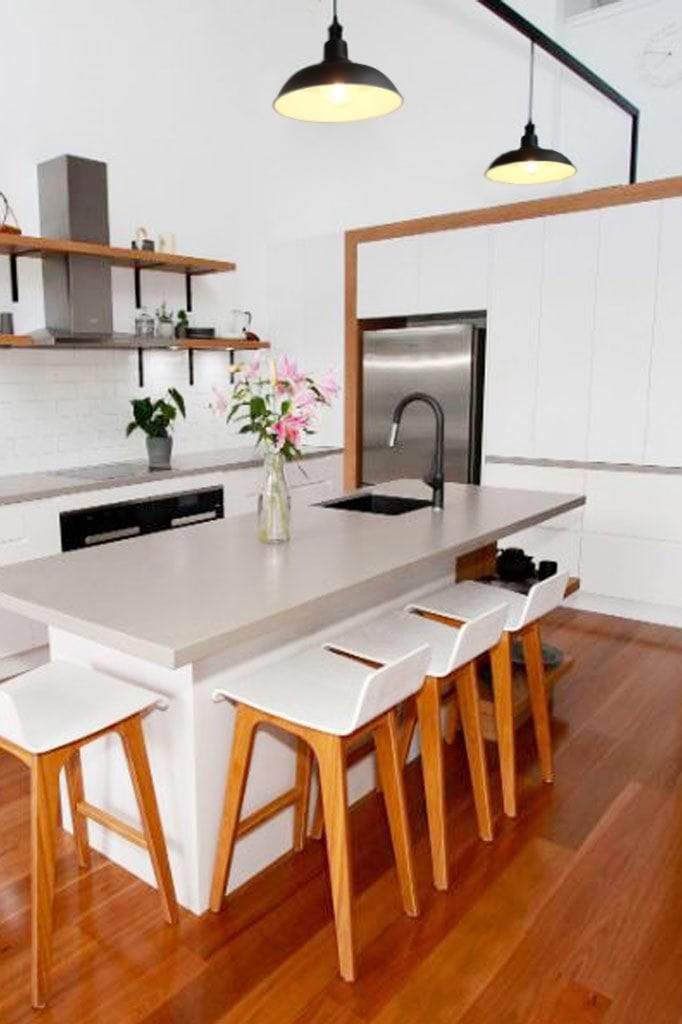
[{"x": 74, "y": 204}]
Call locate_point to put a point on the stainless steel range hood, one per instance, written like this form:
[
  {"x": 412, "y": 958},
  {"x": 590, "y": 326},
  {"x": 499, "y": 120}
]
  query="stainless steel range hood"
[{"x": 74, "y": 204}]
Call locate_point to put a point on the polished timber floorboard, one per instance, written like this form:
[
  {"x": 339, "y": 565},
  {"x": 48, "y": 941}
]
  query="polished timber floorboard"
[{"x": 572, "y": 916}]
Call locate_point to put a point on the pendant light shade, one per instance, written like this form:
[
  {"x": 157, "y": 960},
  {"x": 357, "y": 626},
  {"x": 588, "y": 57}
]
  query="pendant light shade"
[
  {"x": 530, "y": 164},
  {"x": 337, "y": 89}
]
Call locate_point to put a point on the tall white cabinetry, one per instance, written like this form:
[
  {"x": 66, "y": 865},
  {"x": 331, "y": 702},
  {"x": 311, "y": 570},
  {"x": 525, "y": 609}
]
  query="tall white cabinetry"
[
  {"x": 623, "y": 336},
  {"x": 513, "y": 336},
  {"x": 567, "y": 314},
  {"x": 443, "y": 272},
  {"x": 664, "y": 428}
]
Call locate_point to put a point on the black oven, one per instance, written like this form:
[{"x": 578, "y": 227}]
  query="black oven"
[{"x": 104, "y": 524}]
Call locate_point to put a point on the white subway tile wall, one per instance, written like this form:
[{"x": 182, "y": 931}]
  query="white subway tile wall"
[{"x": 64, "y": 408}]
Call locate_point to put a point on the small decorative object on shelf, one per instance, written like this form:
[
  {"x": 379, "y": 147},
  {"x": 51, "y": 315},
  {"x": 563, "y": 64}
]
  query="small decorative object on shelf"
[
  {"x": 164, "y": 320},
  {"x": 241, "y": 322},
  {"x": 166, "y": 242},
  {"x": 182, "y": 324},
  {"x": 156, "y": 420},
  {"x": 6, "y": 323},
  {"x": 144, "y": 324},
  {"x": 279, "y": 404},
  {"x": 7, "y": 214},
  {"x": 201, "y": 332},
  {"x": 142, "y": 240}
]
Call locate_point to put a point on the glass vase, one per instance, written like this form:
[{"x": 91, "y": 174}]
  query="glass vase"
[{"x": 274, "y": 503}]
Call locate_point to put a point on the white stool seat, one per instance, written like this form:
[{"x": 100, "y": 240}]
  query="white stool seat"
[
  {"x": 328, "y": 692},
  {"x": 60, "y": 703},
  {"x": 468, "y": 600},
  {"x": 393, "y": 634}
]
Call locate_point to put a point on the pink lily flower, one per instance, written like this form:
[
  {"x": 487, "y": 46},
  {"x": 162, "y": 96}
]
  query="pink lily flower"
[
  {"x": 329, "y": 386},
  {"x": 289, "y": 372},
  {"x": 220, "y": 404}
]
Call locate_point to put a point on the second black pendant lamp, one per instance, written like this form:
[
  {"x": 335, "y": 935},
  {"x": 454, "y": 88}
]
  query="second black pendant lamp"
[
  {"x": 337, "y": 89},
  {"x": 530, "y": 164}
]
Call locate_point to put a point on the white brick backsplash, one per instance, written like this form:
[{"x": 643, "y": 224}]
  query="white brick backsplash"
[{"x": 64, "y": 408}]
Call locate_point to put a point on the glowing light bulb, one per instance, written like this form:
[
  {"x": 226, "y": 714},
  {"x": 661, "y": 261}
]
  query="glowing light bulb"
[
  {"x": 531, "y": 166},
  {"x": 338, "y": 93}
]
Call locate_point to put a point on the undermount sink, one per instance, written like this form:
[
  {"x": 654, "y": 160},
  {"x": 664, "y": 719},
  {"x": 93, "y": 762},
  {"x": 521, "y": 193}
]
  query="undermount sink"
[{"x": 378, "y": 504}]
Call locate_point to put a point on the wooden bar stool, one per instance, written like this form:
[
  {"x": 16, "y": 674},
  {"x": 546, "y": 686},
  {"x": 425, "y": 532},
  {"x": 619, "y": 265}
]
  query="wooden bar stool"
[
  {"x": 452, "y": 664},
  {"x": 321, "y": 698},
  {"x": 46, "y": 716},
  {"x": 465, "y": 601}
]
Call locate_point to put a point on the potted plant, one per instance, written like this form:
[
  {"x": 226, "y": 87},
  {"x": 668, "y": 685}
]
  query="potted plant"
[
  {"x": 182, "y": 324},
  {"x": 278, "y": 404},
  {"x": 164, "y": 319},
  {"x": 156, "y": 420}
]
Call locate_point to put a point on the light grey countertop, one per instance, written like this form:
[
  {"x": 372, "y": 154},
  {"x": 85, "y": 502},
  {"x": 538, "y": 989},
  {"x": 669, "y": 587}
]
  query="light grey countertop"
[
  {"x": 183, "y": 595},
  {"x": 21, "y": 487}
]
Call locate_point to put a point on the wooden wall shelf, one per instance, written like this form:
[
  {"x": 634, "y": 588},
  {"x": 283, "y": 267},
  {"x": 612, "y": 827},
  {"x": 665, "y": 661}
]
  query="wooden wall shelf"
[
  {"x": 136, "y": 259},
  {"x": 139, "y": 345},
  {"x": 153, "y": 344},
  {"x": 172, "y": 263}
]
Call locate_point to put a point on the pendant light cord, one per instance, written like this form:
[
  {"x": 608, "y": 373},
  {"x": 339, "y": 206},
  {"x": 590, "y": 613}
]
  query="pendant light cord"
[
  {"x": 334, "y": 9},
  {"x": 532, "y": 80}
]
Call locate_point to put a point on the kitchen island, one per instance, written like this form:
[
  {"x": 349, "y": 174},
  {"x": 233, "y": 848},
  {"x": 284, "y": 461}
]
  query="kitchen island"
[{"x": 180, "y": 611}]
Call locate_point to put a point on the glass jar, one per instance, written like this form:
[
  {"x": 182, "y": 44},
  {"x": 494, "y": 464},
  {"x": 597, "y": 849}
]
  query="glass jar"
[
  {"x": 144, "y": 324},
  {"x": 274, "y": 503}
]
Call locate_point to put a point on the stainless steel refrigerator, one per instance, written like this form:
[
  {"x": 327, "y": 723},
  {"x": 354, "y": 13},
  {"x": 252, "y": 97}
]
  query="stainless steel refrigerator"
[{"x": 444, "y": 359}]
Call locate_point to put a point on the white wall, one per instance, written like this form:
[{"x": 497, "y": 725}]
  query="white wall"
[{"x": 613, "y": 41}]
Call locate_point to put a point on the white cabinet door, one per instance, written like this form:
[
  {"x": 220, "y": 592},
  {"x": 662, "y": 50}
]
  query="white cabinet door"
[
  {"x": 664, "y": 434},
  {"x": 512, "y": 345},
  {"x": 454, "y": 271},
  {"x": 388, "y": 277},
  {"x": 566, "y": 336},
  {"x": 626, "y": 292}
]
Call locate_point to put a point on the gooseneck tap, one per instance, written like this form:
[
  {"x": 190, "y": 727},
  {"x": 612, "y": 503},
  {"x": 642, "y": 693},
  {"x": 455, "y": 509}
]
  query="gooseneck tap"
[{"x": 435, "y": 478}]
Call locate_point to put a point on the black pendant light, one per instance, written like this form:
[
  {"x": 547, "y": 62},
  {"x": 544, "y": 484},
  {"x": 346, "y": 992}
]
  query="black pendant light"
[
  {"x": 530, "y": 164},
  {"x": 337, "y": 90}
]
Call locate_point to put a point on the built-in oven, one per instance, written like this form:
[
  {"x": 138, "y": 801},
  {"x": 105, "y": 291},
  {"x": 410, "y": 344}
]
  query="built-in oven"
[{"x": 104, "y": 524}]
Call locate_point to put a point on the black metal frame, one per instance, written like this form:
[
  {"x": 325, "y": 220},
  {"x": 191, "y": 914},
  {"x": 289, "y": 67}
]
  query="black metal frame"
[{"x": 535, "y": 35}]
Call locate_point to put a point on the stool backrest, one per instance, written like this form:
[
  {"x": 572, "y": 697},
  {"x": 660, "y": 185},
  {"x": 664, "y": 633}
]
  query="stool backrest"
[
  {"x": 543, "y": 598},
  {"x": 477, "y": 636},
  {"x": 387, "y": 686}
]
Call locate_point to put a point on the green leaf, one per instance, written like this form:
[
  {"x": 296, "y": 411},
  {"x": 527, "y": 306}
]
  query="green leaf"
[
  {"x": 179, "y": 401},
  {"x": 258, "y": 407}
]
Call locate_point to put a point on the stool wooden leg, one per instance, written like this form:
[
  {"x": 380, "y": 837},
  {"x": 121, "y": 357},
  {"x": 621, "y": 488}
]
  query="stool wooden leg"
[
  {"x": 132, "y": 736},
  {"x": 466, "y": 681},
  {"x": 535, "y": 675},
  {"x": 304, "y": 764},
  {"x": 45, "y": 770},
  {"x": 332, "y": 767},
  {"x": 74, "y": 784},
  {"x": 390, "y": 763},
  {"x": 451, "y": 720},
  {"x": 242, "y": 744},
  {"x": 500, "y": 660},
  {"x": 317, "y": 828},
  {"x": 428, "y": 709},
  {"x": 406, "y": 729}
]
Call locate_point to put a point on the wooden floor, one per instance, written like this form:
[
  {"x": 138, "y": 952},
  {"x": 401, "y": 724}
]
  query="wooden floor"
[{"x": 572, "y": 916}]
